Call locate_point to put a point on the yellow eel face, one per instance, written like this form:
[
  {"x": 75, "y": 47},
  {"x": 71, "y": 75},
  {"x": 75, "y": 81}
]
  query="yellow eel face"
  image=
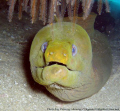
[{"x": 60, "y": 59}]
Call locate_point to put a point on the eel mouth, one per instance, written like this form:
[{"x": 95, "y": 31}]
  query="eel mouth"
[
  {"x": 58, "y": 63},
  {"x": 54, "y": 63}
]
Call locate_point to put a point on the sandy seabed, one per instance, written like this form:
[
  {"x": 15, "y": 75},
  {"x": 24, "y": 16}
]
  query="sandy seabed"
[{"x": 19, "y": 92}]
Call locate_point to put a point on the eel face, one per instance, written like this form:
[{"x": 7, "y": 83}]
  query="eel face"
[{"x": 61, "y": 60}]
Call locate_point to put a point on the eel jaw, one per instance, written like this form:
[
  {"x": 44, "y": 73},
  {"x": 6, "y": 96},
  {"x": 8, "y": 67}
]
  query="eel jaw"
[
  {"x": 56, "y": 75},
  {"x": 57, "y": 86}
]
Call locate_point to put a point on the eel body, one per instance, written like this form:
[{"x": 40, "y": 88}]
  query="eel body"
[{"x": 71, "y": 64}]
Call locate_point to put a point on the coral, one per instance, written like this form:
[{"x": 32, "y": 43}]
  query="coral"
[{"x": 56, "y": 8}]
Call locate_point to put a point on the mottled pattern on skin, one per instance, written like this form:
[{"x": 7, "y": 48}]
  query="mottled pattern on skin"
[{"x": 70, "y": 78}]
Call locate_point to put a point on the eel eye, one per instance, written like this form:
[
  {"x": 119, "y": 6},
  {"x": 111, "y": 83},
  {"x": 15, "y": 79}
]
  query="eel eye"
[
  {"x": 74, "y": 50},
  {"x": 44, "y": 46}
]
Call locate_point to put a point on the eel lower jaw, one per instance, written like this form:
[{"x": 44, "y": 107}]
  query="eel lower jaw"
[
  {"x": 57, "y": 86},
  {"x": 54, "y": 84}
]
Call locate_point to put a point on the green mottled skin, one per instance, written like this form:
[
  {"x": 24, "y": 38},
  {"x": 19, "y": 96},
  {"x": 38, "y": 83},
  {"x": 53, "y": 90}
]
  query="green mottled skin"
[{"x": 89, "y": 70}]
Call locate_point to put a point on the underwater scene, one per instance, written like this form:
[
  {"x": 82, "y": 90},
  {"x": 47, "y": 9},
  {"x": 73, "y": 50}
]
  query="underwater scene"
[{"x": 59, "y": 55}]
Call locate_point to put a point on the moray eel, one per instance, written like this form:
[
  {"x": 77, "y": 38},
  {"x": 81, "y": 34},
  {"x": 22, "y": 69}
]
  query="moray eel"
[{"x": 69, "y": 63}]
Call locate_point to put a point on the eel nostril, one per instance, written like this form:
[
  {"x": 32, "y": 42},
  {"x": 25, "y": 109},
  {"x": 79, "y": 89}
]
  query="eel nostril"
[
  {"x": 64, "y": 54},
  {"x": 51, "y": 53}
]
